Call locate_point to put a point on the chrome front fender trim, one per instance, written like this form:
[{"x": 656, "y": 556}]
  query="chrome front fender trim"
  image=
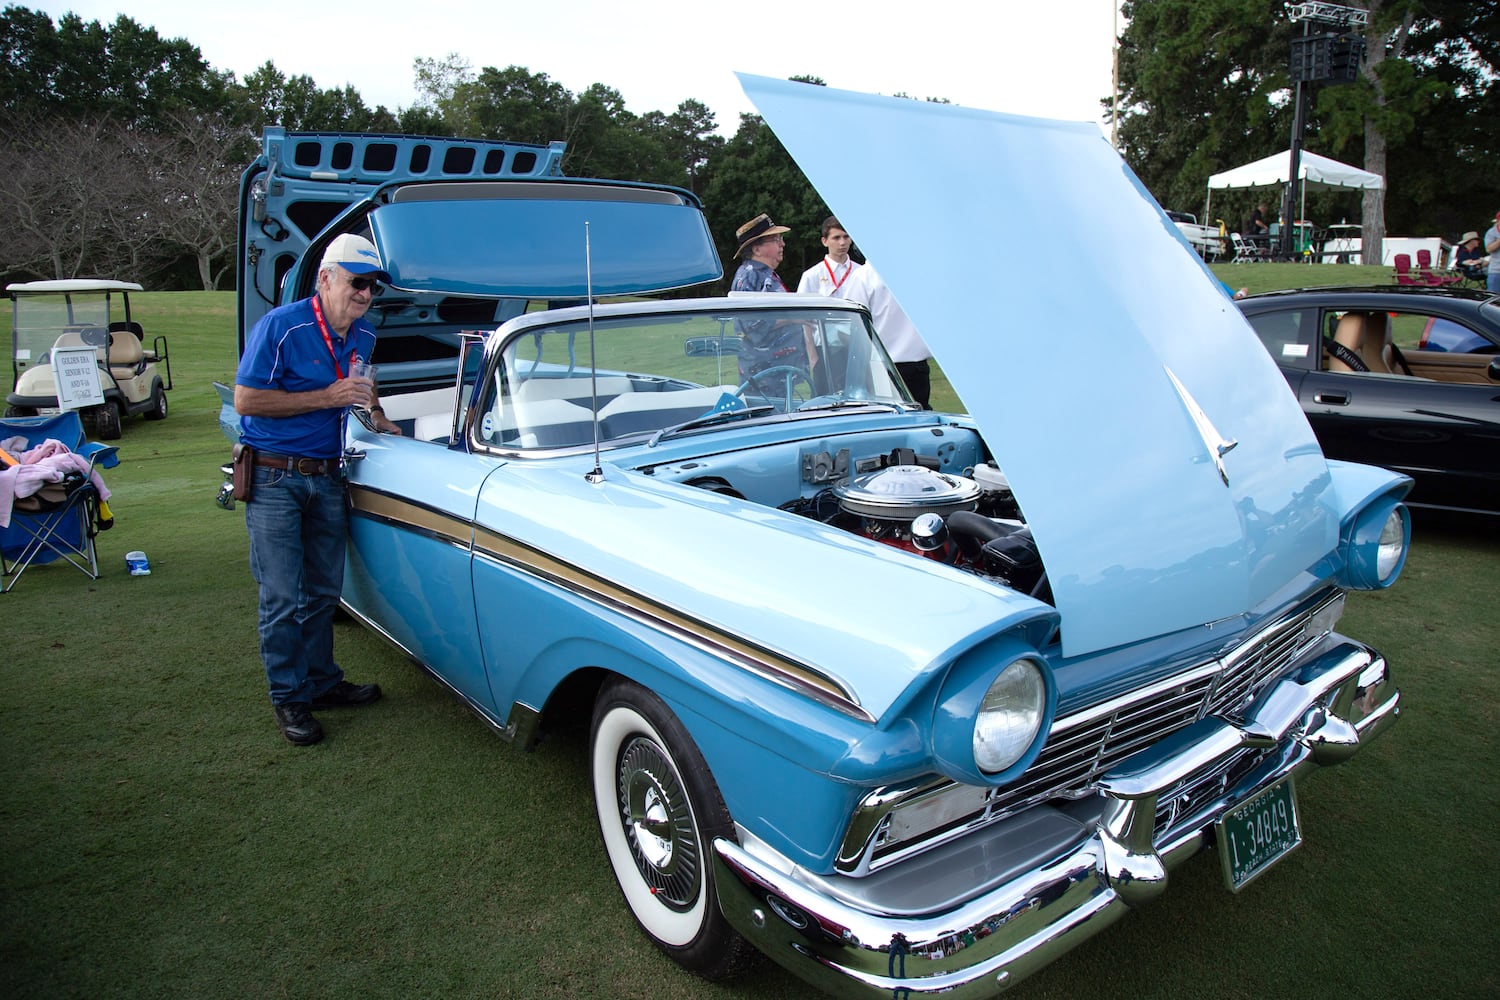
[{"x": 875, "y": 937}]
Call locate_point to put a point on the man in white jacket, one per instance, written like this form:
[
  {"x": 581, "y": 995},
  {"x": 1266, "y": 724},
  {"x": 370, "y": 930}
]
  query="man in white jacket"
[{"x": 900, "y": 337}]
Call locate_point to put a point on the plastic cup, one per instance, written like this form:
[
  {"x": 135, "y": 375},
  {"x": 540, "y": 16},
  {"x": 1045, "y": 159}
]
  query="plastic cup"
[{"x": 362, "y": 369}]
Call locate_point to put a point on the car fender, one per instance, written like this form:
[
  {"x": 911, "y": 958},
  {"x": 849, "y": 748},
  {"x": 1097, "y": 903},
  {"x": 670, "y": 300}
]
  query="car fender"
[
  {"x": 788, "y": 597},
  {"x": 764, "y": 745}
]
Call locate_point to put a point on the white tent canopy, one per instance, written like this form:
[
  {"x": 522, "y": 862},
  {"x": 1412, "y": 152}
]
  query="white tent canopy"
[{"x": 1314, "y": 171}]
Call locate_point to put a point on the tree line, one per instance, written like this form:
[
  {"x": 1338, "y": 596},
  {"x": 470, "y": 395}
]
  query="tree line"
[{"x": 121, "y": 151}]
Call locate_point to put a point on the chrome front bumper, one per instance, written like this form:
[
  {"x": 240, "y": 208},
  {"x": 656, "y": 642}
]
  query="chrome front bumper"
[{"x": 1023, "y": 906}]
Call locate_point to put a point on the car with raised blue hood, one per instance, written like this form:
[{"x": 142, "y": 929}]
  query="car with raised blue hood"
[{"x": 912, "y": 702}]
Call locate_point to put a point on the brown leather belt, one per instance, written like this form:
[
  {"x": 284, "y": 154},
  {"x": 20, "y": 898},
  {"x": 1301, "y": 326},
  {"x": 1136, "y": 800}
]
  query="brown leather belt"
[{"x": 291, "y": 463}]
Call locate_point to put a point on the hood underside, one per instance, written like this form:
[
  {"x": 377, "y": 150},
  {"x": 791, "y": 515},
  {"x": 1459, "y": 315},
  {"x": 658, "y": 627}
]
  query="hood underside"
[{"x": 1168, "y": 475}]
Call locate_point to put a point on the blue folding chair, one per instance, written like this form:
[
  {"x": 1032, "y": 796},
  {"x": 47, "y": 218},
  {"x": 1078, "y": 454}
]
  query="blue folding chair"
[{"x": 62, "y": 520}]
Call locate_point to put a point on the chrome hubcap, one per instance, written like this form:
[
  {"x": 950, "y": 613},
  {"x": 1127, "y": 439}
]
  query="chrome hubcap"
[{"x": 658, "y": 823}]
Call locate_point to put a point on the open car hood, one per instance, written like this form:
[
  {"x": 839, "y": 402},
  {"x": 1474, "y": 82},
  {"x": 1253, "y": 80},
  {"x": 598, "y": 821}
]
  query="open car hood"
[{"x": 1168, "y": 475}]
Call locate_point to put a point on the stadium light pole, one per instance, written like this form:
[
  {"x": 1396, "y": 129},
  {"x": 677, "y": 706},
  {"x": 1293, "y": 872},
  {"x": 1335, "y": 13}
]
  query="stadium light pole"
[{"x": 1311, "y": 63}]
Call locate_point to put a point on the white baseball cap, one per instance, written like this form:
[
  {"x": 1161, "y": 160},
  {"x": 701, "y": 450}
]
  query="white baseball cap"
[{"x": 356, "y": 255}]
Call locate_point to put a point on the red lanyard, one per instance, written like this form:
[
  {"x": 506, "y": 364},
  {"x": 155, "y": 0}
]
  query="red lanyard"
[
  {"x": 838, "y": 281},
  {"x": 327, "y": 339}
]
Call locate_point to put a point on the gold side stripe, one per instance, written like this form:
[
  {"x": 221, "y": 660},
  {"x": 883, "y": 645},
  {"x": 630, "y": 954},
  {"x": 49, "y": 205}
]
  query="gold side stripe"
[{"x": 516, "y": 554}]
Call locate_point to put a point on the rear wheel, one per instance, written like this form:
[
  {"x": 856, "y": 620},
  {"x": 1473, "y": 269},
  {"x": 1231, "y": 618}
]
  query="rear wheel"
[
  {"x": 659, "y": 813},
  {"x": 158, "y": 409}
]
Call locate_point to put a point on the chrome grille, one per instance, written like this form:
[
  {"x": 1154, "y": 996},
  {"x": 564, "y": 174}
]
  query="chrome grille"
[
  {"x": 1085, "y": 745},
  {"x": 1251, "y": 667},
  {"x": 1199, "y": 789}
]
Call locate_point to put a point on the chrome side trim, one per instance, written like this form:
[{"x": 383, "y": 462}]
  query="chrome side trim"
[{"x": 521, "y": 557}]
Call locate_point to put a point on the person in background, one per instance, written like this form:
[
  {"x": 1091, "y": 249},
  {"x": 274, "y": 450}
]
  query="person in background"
[
  {"x": 761, "y": 247},
  {"x": 1492, "y": 247},
  {"x": 768, "y": 342},
  {"x": 1257, "y": 228},
  {"x": 1469, "y": 259},
  {"x": 828, "y": 275},
  {"x": 293, "y": 391},
  {"x": 895, "y": 329}
]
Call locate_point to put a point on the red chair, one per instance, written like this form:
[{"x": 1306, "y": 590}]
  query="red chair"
[
  {"x": 1404, "y": 274},
  {"x": 1425, "y": 272}
]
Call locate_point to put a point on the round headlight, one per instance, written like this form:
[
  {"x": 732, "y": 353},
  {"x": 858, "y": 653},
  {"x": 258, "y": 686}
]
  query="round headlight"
[
  {"x": 1392, "y": 544},
  {"x": 1375, "y": 546},
  {"x": 1009, "y": 716}
]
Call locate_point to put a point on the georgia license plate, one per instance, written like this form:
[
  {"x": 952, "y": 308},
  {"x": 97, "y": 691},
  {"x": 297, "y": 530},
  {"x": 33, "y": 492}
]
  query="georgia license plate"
[{"x": 1256, "y": 833}]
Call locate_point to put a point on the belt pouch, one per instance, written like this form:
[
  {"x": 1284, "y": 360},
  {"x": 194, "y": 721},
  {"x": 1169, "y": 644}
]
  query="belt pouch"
[{"x": 244, "y": 472}]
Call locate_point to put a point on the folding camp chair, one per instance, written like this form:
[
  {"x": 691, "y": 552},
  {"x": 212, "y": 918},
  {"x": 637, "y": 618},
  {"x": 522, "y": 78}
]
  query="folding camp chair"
[
  {"x": 62, "y": 519},
  {"x": 1428, "y": 276},
  {"x": 1246, "y": 249}
]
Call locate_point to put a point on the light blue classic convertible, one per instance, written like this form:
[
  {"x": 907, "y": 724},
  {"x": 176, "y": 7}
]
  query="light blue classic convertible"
[{"x": 912, "y": 702}]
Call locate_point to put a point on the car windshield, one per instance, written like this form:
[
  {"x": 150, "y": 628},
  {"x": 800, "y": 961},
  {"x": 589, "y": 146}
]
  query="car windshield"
[{"x": 646, "y": 373}]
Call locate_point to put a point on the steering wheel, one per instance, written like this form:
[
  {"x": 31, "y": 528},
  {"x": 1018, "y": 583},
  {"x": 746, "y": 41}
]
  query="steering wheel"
[{"x": 791, "y": 375}]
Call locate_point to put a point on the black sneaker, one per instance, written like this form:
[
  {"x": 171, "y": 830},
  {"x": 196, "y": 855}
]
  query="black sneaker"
[
  {"x": 296, "y": 722},
  {"x": 346, "y": 695}
]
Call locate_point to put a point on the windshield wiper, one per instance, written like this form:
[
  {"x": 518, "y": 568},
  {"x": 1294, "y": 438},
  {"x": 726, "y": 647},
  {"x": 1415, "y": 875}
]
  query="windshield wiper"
[
  {"x": 708, "y": 419},
  {"x": 841, "y": 402}
]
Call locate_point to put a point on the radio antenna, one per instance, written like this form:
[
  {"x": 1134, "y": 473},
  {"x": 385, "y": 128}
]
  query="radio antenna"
[{"x": 597, "y": 475}]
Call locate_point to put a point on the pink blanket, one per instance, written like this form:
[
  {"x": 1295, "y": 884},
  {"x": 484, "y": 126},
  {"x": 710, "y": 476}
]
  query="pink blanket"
[{"x": 47, "y": 463}]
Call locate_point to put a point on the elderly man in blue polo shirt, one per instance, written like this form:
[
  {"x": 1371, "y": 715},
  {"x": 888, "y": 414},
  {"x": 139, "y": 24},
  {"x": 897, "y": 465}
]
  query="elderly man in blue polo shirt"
[{"x": 293, "y": 390}]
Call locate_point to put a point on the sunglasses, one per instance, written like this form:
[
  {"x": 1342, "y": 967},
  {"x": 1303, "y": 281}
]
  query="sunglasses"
[{"x": 362, "y": 284}]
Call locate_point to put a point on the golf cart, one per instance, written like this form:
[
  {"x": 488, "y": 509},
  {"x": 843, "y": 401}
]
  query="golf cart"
[{"x": 80, "y": 314}]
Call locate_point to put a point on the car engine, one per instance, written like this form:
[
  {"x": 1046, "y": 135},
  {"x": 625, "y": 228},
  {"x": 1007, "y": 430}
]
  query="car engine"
[{"x": 972, "y": 522}]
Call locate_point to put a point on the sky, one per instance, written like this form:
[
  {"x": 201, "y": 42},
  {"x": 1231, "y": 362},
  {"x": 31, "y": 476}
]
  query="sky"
[{"x": 1047, "y": 58}]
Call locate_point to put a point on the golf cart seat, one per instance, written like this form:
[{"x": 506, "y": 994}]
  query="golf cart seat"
[
  {"x": 126, "y": 356},
  {"x": 83, "y": 336},
  {"x": 61, "y": 519}
]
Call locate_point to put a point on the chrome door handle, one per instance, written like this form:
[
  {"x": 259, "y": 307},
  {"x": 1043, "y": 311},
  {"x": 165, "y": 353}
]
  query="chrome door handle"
[{"x": 1332, "y": 398}]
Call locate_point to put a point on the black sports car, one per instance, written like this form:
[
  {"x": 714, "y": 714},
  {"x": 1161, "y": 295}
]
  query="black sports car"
[{"x": 1430, "y": 409}]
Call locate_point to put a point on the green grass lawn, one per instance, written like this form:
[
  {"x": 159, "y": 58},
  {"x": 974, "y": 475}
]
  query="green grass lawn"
[{"x": 162, "y": 840}]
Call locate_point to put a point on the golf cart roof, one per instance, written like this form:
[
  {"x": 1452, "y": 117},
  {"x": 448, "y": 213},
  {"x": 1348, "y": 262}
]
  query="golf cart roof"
[{"x": 73, "y": 285}]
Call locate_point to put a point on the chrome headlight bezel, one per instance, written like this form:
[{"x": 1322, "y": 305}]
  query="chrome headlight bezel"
[
  {"x": 990, "y": 724},
  {"x": 1375, "y": 546}
]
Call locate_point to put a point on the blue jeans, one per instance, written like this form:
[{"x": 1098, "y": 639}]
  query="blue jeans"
[
  {"x": 298, "y": 528},
  {"x": 1493, "y": 284}
]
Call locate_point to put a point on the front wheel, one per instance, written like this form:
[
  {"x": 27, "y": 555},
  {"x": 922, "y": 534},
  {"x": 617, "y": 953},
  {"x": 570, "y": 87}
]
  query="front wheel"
[{"x": 659, "y": 812}]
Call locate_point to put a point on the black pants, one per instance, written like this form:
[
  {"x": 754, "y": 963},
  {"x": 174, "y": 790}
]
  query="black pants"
[{"x": 918, "y": 378}]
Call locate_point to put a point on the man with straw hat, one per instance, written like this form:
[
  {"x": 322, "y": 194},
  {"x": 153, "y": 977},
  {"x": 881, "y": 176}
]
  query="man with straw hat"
[
  {"x": 1469, "y": 260},
  {"x": 767, "y": 342},
  {"x": 761, "y": 247}
]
